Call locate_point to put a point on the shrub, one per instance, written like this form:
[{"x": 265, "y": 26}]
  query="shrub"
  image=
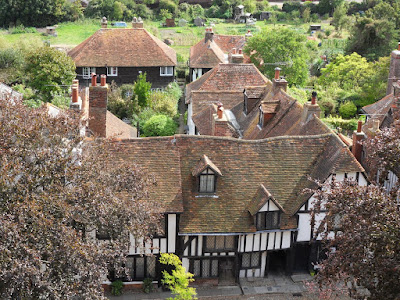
[
  {"x": 347, "y": 110},
  {"x": 159, "y": 125},
  {"x": 142, "y": 90},
  {"x": 328, "y": 106},
  {"x": 10, "y": 57},
  {"x": 148, "y": 285},
  {"x": 337, "y": 122},
  {"x": 117, "y": 287},
  {"x": 162, "y": 103}
]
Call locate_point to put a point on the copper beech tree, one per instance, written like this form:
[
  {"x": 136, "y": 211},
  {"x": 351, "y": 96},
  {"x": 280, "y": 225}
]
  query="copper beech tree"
[
  {"x": 361, "y": 231},
  {"x": 56, "y": 187}
]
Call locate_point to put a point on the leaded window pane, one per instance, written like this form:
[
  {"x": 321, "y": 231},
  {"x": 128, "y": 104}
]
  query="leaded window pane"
[
  {"x": 214, "y": 268},
  {"x": 210, "y": 242},
  {"x": 205, "y": 268},
  {"x": 196, "y": 268},
  {"x": 246, "y": 260},
  {"x": 129, "y": 266},
  {"x": 151, "y": 266},
  {"x": 210, "y": 183},
  {"x": 255, "y": 259},
  {"x": 230, "y": 242},
  {"x": 220, "y": 243},
  {"x": 275, "y": 219},
  {"x": 139, "y": 267}
]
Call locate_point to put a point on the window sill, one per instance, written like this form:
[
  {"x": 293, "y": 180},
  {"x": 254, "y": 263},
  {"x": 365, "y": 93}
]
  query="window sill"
[
  {"x": 109, "y": 75},
  {"x": 166, "y": 75},
  {"x": 211, "y": 195}
]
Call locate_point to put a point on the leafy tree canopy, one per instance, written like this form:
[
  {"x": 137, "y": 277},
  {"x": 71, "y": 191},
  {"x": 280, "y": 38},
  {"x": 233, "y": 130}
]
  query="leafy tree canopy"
[
  {"x": 159, "y": 125},
  {"x": 276, "y": 46},
  {"x": 142, "y": 90},
  {"x": 48, "y": 71},
  {"x": 56, "y": 188}
]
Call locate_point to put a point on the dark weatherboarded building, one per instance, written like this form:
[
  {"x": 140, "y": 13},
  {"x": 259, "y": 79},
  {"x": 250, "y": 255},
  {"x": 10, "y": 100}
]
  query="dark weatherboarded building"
[{"x": 122, "y": 54}]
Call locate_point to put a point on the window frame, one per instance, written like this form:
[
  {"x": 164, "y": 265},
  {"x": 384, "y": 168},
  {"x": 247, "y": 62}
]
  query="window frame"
[
  {"x": 87, "y": 75},
  {"x": 250, "y": 259},
  {"x": 133, "y": 270},
  {"x": 268, "y": 225},
  {"x": 164, "y": 71},
  {"x": 215, "y": 249},
  {"x": 209, "y": 172},
  {"x": 202, "y": 261},
  {"x": 112, "y": 73}
]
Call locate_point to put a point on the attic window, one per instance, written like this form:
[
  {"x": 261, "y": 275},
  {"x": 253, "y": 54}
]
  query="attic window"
[
  {"x": 87, "y": 71},
  {"x": 166, "y": 71},
  {"x": 261, "y": 118},
  {"x": 207, "y": 180},
  {"x": 268, "y": 220},
  {"x": 112, "y": 71}
]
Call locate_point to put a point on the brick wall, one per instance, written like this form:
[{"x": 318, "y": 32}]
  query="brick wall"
[{"x": 98, "y": 109}]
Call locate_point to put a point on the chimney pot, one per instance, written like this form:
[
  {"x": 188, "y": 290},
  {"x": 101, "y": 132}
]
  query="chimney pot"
[
  {"x": 233, "y": 50},
  {"x": 314, "y": 98},
  {"x": 240, "y": 51},
  {"x": 94, "y": 79},
  {"x": 103, "y": 80},
  {"x": 220, "y": 111},
  {"x": 75, "y": 94},
  {"x": 359, "y": 126},
  {"x": 277, "y": 72},
  {"x": 75, "y": 82}
]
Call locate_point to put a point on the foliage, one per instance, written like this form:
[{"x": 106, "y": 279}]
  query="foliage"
[
  {"x": 338, "y": 122},
  {"x": 11, "y": 58},
  {"x": 60, "y": 100},
  {"x": 372, "y": 38},
  {"x": 340, "y": 19},
  {"x": 177, "y": 279},
  {"x": 148, "y": 285},
  {"x": 48, "y": 71},
  {"x": 163, "y": 103},
  {"x": 306, "y": 15},
  {"x": 280, "y": 47},
  {"x": 328, "y": 6},
  {"x": 55, "y": 186},
  {"x": 347, "y": 110},
  {"x": 117, "y": 287},
  {"x": 73, "y": 10},
  {"x": 122, "y": 102},
  {"x": 38, "y": 13},
  {"x": 142, "y": 90},
  {"x": 159, "y": 125},
  {"x": 145, "y": 115},
  {"x": 364, "y": 239}
]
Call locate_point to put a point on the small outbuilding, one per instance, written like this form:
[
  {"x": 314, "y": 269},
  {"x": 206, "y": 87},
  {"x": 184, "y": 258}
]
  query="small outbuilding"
[
  {"x": 182, "y": 23},
  {"x": 199, "y": 21},
  {"x": 315, "y": 27}
]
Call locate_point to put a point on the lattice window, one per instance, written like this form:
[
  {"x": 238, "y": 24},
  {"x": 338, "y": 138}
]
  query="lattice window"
[
  {"x": 139, "y": 268},
  {"x": 151, "y": 266},
  {"x": 246, "y": 260},
  {"x": 205, "y": 268},
  {"x": 230, "y": 242},
  {"x": 268, "y": 220},
  {"x": 214, "y": 268},
  {"x": 251, "y": 260},
  {"x": 220, "y": 243},
  {"x": 207, "y": 181},
  {"x": 196, "y": 268}
]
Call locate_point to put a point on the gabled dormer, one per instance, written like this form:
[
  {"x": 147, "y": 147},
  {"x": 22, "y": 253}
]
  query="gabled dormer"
[
  {"x": 252, "y": 95},
  {"x": 207, "y": 174},
  {"x": 267, "y": 111},
  {"x": 266, "y": 210}
]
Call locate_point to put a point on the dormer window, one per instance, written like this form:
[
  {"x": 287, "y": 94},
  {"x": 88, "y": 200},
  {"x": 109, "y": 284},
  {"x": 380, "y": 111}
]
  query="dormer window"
[
  {"x": 207, "y": 181},
  {"x": 268, "y": 220}
]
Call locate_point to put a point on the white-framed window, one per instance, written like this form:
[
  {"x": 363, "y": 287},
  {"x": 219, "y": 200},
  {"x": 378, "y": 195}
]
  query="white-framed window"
[
  {"x": 87, "y": 72},
  {"x": 166, "y": 71},
  {"x": 112, "y": 71},
  {"x": 207, "y": 181}
]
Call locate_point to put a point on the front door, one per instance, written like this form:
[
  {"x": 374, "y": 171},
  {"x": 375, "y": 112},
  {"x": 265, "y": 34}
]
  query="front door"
[{"x": 226, "y": 271}]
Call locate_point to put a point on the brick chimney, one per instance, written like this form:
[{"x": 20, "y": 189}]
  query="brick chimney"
[
  {"x": 278, "y": 81},
  {"x": 209, "y": 36},
  {"x": 220, "y": 123},
  {"x": 98, "y": 95},
  {"x": 248, "y": 35},
  {"x": 104, "y": 22},
  {"x": 311, "y": 108},
  {"x": 137, "y": 22},
  {"x": 358, "y": 136},
  {"x": 76, "y": 101},
  {"x": 394, "y": 70},
  {"x": 236, "y": 57}
]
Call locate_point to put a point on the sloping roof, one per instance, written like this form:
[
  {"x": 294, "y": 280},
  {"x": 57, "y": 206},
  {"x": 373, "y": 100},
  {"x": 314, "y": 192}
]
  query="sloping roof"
[
  {"x": 254, "y": 91},
  {"x": 116, "y": 128},
  {"x": 123, "y": 47},
  {"x": 260, "y": 199},
  {"x": 208, "y": 54},
  {"x": 7, "y": 93},
  {"x": 380, "y": 110},
  {"x": 204, "y": 163},
  {"x": 282, "y": 165}
]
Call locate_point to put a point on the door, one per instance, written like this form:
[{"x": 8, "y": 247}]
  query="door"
[{"x": 226, "y": 271}]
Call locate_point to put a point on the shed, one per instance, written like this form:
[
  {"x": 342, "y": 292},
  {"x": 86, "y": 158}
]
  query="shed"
[
  {"x": 182, "y": 23},
  {"x": 265, "y": 15},
  {"x": 199, "y": 21},
  {"x": 315, "y": 27},
  {"x": 51, "y": 30}
]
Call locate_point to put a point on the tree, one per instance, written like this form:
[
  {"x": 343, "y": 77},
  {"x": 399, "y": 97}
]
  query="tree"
[
  {"x": 55, "y": 188},
  {"x": 280, "y": 47},
  {"x": 38, "y": 13},
  {"x": 142, "y": 90},
  {"x": 176, "y": 278},
  {"x": 48, "y": 71},
  {"x": 306, "y": 15},
  {"x": 340, "y": 18},
  {"x": 372, "y": 38},
  {"x": 328, "y": 6},
  {"x": 159, "y": 125},
  {"x": 364, "y": 241}
]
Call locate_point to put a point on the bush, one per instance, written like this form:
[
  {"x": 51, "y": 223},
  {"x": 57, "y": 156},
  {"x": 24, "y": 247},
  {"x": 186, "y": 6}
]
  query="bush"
[
  {"x": 10, "y": 57},
  {"x": 338, "y": 122},
  {"x": 142, "y": 90},
  {"x": 328, "y": 106},
  {"x": 117, "y": 287},
  {"x": 162, "y": 103},
  {"x": 159, "y": 125},
  {"x": 347, "y": 110},
  {"x": 148, "y": 285}
]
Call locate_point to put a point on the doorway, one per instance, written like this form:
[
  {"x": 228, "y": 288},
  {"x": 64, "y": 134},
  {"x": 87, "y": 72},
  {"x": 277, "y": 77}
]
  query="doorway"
[{"x": 226, "y": 271}]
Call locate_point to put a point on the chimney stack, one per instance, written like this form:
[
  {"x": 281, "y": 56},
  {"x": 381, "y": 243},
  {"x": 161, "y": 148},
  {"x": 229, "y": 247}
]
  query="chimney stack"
[
  {"x": 220, "y": 123},
  {"x": 104, "y": 22},
  {"x": 358, "y": 136},
  {"x": 76, "y": 102},
  {"x": 394, "y": 69},
  {"x": 137, "y": 22},
  {"x": 220, "y": 111},
  {"x": 98, "y": 97},
  {"x": 248, "y": 35},
  {"x": 279, "y": 82},
  {"x": 236, "y": 56},
  {"x": 311, "y": 108},
  {"x": 209, "y": 36}
]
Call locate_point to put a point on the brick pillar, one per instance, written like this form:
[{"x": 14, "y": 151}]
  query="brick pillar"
[{"x": 98, "y": 109}]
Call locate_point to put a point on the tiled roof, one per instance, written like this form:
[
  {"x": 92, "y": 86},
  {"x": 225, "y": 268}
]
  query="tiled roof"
[
  {"x": 255, "y": 91},
  {"x": 204, "y": 163},
  {"x": 260, "y": 199},
  {"x": 282, "y": 165},
  {"x": 380, "y": 110},
  {"x": 208, "y": 54},
  {"x": 123, "y": 47},
  {"x": 116, "y": 128}
]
